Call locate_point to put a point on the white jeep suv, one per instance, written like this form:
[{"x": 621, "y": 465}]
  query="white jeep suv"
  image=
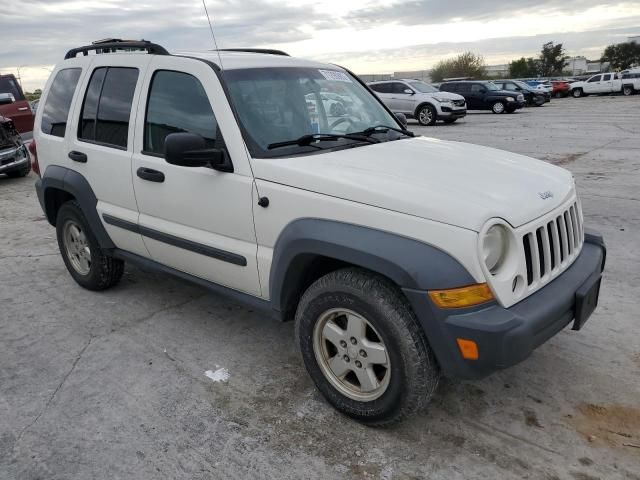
[
  {"x": 400, "y": 258},
  {"x": 419, "y": 100}
]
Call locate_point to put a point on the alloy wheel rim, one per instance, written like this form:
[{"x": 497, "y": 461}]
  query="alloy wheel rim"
[
  {"x": 498, "y": 108},
  {"x": 77, "y": 247},
  {"x": 351, "y": 354},
  {"x": 425, "y": 115}
]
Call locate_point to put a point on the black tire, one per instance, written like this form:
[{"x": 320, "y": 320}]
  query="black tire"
[
  {"x": 539, "y": 100},
  {"x": 104, "y": 271},
  {"x": 427, "y": 115},
  {"x": 498, "y": 107},
  {"x": 413, "y": 372},
  {"x": 627, "y": 90},
  {"x": 577, "y": 93},
  {"x": 450, "y": 120}
]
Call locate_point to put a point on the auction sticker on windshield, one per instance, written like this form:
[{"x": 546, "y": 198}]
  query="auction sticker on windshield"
[{"x": 335, "y": 76}]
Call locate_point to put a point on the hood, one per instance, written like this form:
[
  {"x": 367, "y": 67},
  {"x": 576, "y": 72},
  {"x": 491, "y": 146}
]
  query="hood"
[
  {"x": 450, "y": 182},
  {"x": 441, "y": 94}
]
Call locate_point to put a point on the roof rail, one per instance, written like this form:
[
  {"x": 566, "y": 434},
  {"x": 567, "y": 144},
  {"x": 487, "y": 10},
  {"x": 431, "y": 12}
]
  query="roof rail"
[
  {"x": 109, "y": 45},
  {"x": 267, "y": 51}
]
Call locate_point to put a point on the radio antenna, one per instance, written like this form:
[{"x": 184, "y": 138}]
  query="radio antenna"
[{"x": 213, "y": 36}]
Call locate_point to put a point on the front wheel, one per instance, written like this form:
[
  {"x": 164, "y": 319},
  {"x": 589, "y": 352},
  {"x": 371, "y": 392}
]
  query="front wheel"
[
  {"x": 427, "y": 115},
  {"x": 539, "y": 100},
  {"x": 89, "y": 266},
  {"x": 498, "y": 107},
  {"x": 363, "y": 347}
]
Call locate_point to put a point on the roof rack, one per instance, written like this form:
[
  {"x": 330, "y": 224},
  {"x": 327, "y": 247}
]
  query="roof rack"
[
  {"x": 267, "y": 51},
  {"x": 110, "y": 45}
]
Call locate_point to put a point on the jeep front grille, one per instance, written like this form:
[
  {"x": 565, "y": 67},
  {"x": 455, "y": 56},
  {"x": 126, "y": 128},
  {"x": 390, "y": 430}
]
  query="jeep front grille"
[{"x": 551, "y": 247}]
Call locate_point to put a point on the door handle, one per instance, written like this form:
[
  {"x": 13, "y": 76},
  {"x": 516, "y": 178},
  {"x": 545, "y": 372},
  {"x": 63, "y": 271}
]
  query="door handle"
[
  {"x": 150, "y": 175},
  {"x": 22, "y": 109},
  {"x": 78, "y": 156}
]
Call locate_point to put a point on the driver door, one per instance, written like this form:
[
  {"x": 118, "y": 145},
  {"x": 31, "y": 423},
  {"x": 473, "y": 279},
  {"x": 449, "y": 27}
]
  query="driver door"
[
  {"x": 403, "y": 102},
  {"x": 593, "y": 85},
  {"x": 194, "y": 219}
]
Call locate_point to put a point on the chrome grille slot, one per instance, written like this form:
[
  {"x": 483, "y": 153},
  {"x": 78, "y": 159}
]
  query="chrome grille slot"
[{"x": 551, "y": 247}]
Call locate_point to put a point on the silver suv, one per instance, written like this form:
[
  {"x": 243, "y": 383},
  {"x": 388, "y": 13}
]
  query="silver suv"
[{"x": 419, "y": 100}]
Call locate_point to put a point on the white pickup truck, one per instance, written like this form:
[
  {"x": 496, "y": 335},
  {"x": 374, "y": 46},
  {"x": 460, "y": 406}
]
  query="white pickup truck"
[{"x": 626, "y": 83}]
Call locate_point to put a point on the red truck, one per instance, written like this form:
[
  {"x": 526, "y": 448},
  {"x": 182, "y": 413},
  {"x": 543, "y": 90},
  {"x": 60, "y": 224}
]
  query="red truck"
[{"x": 14, "y": 105}]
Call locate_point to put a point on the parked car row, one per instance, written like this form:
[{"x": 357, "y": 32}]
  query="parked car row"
[
  {"x": 14, "y": 157},
  {"x": 627, "y": 83}
]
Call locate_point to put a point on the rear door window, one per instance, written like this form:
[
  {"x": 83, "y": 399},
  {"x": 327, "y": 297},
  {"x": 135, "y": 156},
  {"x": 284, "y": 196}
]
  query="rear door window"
[
  {"x": 381, "y": 87},
  {"x": 107, "y": 106},
  {"x": 58, "y": 103}
]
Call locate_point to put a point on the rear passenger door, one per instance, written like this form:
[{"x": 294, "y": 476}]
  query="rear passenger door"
[
  {"x": 101, "y": 144},
  {"x": 194, "y": 219}
]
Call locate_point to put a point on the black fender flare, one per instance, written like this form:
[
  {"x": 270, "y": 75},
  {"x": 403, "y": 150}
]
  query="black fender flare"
[
  {"x": 407, "y": 262},
  {"x": 74, "y": 183}
]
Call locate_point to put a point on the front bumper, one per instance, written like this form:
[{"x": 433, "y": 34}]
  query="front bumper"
[
  {"x": 452, "y": 111},
  {"x": 10, "y": 160},
  {"x": 507, "y": 336}
]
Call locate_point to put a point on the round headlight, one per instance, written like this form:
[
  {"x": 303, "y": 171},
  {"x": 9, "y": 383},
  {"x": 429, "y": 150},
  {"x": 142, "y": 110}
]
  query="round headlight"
[{"x": 494, "y": 247}]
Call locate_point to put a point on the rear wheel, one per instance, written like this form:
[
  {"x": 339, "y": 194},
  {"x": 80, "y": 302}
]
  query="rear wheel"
[
  {"x": 627, "y": 90},
  {"x": 577, "y": 93},
  {"x": 498, "y": 107},
  {"x": 89, "y": 266},
  {"x": 427, "y": 115},
  {"x": 363, "y": 347}
]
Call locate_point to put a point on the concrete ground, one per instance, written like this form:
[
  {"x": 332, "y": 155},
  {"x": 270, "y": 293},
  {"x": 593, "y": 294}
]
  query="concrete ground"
[{"x": 112, "y": 385}]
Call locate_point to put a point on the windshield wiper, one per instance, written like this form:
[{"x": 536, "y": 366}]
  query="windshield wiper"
[
  {"x": 307, "y": 140},
  {"x": 384, "y": 129}
]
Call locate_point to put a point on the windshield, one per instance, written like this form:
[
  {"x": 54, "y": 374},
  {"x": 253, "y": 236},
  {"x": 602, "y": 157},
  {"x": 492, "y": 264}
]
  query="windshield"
[
  {"x": 523, "y": 85},
  {"x": 282, "y": 104},
  {"x": 424, "y": 87}
]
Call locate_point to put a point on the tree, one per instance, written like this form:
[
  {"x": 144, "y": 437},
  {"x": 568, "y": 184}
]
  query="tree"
[
  {"x": 524, "y": 68},
  {"x": 467, "y": 64},
  {"x": 552, "y": 58},
  {"x": 622, "y": 55}
]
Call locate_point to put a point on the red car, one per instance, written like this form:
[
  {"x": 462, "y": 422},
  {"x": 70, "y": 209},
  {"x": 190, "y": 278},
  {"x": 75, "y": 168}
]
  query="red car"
[
  {"x": 560, "y": 88},
  {"x": 14, "y": 105}
]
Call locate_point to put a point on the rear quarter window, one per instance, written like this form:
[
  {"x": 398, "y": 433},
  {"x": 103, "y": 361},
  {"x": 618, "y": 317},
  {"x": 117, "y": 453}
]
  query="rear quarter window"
[{"x": 56, "y": 108}]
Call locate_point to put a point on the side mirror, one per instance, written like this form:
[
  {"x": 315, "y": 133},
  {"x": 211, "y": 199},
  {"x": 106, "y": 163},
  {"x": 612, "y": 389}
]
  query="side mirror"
[
  {"x": 7, "y": 98},
  {"x": 402, "y": 119},
  {"x": 190, "y": 150},
  {"x": 408, "y": 91}
]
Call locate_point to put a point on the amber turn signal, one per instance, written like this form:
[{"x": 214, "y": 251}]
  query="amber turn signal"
[
  {"x": 462, "y": 297},
  {"x": 468, "y": 348}
]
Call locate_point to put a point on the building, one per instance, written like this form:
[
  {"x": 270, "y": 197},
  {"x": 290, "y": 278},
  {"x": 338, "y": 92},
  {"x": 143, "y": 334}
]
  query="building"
[
  {"x": 498, "y": 71},
  {"x": 576, "y": 65}
]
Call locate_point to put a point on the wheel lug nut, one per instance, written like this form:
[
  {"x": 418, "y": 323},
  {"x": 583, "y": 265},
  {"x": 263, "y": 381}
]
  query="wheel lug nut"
[
  {"x": 363, "y": 354},
  {"x": 353, "y": 341},
  {"x": 358, "y": 364},
  {"x": 343, "y": 344},
  {"x": 346, "y": 358}
]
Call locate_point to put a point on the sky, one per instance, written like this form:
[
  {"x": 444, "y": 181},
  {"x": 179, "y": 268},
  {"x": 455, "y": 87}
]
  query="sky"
[{"x": 366, "y": 36}]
